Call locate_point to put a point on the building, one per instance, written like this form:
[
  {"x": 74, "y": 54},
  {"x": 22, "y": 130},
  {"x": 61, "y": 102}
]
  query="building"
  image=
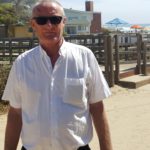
[
  {"x": 78, "y": 22},
  {"x": 83, "y": 22}
]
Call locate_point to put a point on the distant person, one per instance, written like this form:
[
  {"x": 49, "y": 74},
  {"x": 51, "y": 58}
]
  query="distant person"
[{"x": 55, "y": 90}]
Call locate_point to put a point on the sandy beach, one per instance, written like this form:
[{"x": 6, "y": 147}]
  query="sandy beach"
[{"x": 129, "y": 117}]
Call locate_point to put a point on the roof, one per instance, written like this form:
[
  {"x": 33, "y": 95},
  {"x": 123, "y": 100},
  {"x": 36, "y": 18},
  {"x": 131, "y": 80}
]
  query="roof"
[{"x": 76, "y": 11}]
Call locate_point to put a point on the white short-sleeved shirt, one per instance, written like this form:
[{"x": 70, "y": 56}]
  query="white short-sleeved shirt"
[{"x": 55, "y": 101}]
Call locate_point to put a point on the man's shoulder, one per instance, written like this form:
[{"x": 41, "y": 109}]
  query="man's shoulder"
[
  {"x": 29, "y": 53},
  {"x": 77, "y": 47},
  {"x": 28, "y": 57}
]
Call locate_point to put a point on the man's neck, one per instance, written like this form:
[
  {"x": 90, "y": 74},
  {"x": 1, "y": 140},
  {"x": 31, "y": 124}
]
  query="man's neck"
[{"x": 52, "y": 50}]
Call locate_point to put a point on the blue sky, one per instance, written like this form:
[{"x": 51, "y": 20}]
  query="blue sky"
[{"x": 132, "y": 11}]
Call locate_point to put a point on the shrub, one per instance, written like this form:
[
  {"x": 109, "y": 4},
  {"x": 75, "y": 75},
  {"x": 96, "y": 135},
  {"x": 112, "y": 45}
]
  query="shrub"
[{"x": 4, "y": 72}]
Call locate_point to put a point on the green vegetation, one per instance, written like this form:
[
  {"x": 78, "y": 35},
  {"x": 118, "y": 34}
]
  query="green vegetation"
[
  {"x": 7, "y": 15},
  {"x": 15, "y": 12},
  {"x": 4, "y": 71},
  {"x": 104, "y": 30},
  {"x": 4, "y": 106}
]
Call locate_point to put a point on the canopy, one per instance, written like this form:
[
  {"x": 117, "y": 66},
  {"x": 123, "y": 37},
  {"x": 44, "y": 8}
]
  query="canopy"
[
  {"x": 136, "y": 26},
  {"x": 117, "y": 22}
]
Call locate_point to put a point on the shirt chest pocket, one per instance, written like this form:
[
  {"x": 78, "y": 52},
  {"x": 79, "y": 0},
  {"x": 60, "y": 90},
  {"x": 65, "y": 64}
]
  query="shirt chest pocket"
[{"x": 75, "y": 91}]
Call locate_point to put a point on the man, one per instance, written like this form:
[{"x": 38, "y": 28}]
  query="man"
[{"x": 55, "y": 90}]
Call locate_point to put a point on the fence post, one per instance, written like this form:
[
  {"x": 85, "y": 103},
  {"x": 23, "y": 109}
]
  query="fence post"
[
  {"x": 117, "y": 66},
  {"x": 139, "y": 43},
  {"x": 144, "y": 70},
  {"x": 110, "y": 60},
  {"x": 106, "y": 58},
  {"x": 126, "y": 48},
  {"x": 10, "y": 51}
]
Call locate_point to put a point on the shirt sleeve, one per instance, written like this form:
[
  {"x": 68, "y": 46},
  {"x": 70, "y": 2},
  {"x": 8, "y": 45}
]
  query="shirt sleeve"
[
  {"x": 12, "y": 88},
  {"x": 98, "y": 88}
]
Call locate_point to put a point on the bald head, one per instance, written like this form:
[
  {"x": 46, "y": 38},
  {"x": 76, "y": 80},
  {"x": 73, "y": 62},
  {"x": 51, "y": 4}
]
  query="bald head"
[{"x": 45, "y": 3}]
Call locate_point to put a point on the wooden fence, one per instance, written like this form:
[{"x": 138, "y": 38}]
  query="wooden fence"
[
  {"x": 110, "y": 51},
  {"x": 10, "y": 48},
  {"x": 136, "y": 49},
  {"x": 101, "y": 45}
]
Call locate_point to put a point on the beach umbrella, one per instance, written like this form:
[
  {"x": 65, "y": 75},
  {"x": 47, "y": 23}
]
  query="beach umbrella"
[
  {"x": 136, "y": 26},
  {"x": 116, "y": 22}
]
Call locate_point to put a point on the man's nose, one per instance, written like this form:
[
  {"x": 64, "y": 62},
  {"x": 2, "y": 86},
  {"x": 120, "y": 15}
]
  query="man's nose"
[{"x": 49, "y": 23}]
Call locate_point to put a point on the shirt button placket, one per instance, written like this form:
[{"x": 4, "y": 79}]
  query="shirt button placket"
[{"x": 52, "y": 114}]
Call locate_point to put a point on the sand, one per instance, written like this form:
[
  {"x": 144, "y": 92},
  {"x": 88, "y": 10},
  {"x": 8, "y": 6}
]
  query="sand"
[{"x": 129, "y": 118}]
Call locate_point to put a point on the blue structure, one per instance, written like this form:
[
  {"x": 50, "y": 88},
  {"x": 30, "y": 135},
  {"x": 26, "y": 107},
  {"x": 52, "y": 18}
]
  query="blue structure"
[{"x": 116, "y": 22}]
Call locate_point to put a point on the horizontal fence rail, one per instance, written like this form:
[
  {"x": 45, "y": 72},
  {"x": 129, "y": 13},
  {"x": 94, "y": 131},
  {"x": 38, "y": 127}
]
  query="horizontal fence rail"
[
  {"x": 131, "y": 48},
  {"x": 109, "y": 50},
  {"x": 10, "y": 48}
]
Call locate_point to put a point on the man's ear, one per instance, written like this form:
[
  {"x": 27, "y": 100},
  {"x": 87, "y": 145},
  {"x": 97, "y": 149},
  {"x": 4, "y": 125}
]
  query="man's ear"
[
  {"x": 32, "y": 24},
  {"x": 64, "y": 20}
]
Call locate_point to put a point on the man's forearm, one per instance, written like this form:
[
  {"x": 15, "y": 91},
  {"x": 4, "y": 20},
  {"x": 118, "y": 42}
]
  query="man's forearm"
[
  {"x": 101, "y": 125},
  {"x": 13, "y": 129},
  {"x": 104, "y": 134}
]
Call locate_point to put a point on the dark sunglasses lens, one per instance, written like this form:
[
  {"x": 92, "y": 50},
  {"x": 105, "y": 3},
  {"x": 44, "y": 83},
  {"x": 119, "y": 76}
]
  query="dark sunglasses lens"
[
  {"x": 41, "y": 20},
  {"x": 55, "y": 19}
]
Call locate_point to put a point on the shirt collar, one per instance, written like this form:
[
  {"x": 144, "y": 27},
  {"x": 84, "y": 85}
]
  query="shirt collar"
[{"x": 62, "y": 50}]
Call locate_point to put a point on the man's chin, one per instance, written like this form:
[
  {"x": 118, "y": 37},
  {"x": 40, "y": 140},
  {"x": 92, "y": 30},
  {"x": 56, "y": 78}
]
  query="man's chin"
[{"x": 51, "y": 37}]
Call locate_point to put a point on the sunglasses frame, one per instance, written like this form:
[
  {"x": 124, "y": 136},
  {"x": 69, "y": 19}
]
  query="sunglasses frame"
[{"x": 42, "y": 20}]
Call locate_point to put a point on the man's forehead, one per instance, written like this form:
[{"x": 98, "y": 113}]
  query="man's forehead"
[{"x": 49, "y": 8}]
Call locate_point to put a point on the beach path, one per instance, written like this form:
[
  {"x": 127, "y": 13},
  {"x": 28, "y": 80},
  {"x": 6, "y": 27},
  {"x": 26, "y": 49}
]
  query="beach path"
[{"x": 129, "y": 118}]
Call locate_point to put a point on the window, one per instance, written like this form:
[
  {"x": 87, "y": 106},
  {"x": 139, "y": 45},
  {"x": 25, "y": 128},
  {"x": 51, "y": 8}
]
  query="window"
[
  {"x": 72, "y": 18},
  {"x": 70, "y": 30},
  {"x": 81, "y": 28}
]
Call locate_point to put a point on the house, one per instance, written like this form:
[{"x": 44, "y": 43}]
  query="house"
[
  {"x": 83, "y": 22},
  {"x": 78, "y": 22}
]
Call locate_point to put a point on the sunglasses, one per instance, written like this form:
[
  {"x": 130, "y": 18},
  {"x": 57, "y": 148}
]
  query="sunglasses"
[{"x": 54, "y": 20}]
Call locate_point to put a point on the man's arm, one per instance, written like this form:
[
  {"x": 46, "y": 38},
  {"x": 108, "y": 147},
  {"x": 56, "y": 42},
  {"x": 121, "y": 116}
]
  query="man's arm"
[
  {"x": 13, "y": 129},
  {"x": 98, "y": 113}
]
